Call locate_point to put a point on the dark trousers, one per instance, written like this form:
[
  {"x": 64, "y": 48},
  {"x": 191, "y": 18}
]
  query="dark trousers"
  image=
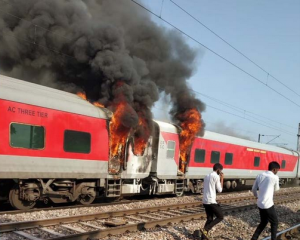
[
  {"x": 266, "y": 215},
  {"x": 211, "y": 210}
]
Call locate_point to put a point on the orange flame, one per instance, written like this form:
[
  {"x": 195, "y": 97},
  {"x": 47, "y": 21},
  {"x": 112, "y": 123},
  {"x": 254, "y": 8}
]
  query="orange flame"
[
  {"x": 190, "y": 127},
  {"x": 97, "y": 104},
  {"x": 118, "y": 131},
  {"x": 83, "y": 96},
  {"x": 141, "y": 141},
  {"x": 118, "y": 137}
]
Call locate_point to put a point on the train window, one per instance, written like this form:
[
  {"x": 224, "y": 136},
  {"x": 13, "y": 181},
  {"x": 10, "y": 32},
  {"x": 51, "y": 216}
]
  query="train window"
[
  {"x": 27, "y": 136},
  {"x": 256, "y": 161},
  {"x": 199, "y": 155},
  {"x": 170, "y": 149},
  {"x": 228, "y": 158},
  {"x": 215, "y": 157},
  {"x": 77, "y": 142},
  {"x": 283, "y": 164}
]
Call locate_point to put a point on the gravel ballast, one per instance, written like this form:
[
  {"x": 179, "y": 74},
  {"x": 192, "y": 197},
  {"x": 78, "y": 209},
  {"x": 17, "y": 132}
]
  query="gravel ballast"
[{"x": 238, "y": 226}]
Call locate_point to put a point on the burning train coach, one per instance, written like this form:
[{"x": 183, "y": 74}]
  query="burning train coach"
[{"x": 57, "y": 146}]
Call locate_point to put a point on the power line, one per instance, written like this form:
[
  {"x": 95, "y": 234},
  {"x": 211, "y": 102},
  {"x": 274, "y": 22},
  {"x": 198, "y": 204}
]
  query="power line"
[
  {"x": 250, "y": 120},
  {"x": 238, "y": 129},
  {"x": 212, "y": 51},
  {"x": 161, "y": 8},
  {"x": 52, "y": 49},
  {"x": 242, "y": 117},
  {"x": 240, "y": 109},
  {"x": 63, "y": 54},
  {"x": 233, "y": 47}
]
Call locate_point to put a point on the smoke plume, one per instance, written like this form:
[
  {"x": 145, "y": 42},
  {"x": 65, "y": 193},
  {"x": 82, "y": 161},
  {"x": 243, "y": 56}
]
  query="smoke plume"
[
  {"x": 110, "y": 49},
  {"x": 221, "y": 127}
]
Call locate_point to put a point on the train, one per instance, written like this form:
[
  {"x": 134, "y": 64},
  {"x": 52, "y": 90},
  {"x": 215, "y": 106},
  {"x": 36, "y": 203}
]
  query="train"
[{"x": 54, "y": 146}]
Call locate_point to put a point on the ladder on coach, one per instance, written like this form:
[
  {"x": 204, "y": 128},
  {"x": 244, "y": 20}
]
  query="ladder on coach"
[
  {"x": 113, "y": 187},
  {"x": 179, "y": 187}
]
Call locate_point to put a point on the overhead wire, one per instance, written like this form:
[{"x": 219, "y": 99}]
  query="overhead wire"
[
  {"x": 238, "y": 109},
  {"x": 55, "y": 50},
  {"x": 66, "y": 55},
  {"x": 243, "y": 117},
  {"x": 215, "y": 53},
  {"x": 268, "y": 74},
  {"x": 251, "y": 120}
]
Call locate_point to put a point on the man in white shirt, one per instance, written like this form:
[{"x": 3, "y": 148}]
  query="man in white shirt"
[
  {"x": 212, "y": 182},
  {"x": 266, "y": 182}
]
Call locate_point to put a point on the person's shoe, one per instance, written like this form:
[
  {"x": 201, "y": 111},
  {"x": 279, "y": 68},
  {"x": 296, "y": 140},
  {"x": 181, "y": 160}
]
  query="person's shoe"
[
  {"x": 204, "y": 234},
  {"x": 197, "y": 233}
]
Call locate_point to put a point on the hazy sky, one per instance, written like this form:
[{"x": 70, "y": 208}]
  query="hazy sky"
[{"x": 267, "y": 32}]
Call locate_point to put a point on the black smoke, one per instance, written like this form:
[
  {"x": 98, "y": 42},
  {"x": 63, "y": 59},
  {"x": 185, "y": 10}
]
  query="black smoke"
[{"x": 93, "y": 45}]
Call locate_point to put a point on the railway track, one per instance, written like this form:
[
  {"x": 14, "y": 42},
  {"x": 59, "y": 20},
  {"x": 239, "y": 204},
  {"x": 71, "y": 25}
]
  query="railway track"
[
  {"x": 98, "y": 225},
  {"x": 50, "y": 208},
  {"x": 288, "y": 234},
  {"x": 4, "y": 210},
  {"x": 102, "y": 204}
]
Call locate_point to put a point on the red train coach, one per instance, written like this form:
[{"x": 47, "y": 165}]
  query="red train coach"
[
  {"x": 243, "y": 160},
  {"x": 55, "y": 145},
  {"x": 48, "y": 139}
]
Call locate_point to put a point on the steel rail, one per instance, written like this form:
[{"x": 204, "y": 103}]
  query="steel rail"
[
  {"x": 155, "y": 223},
  {"x": 95, "y": 204},
  {"x": 10, "y": 227},
  {"x": 50, "y": 208},
  {"x": 7, "y": 227},
  {"x": 288, "y": 233},
  {"x": 123, "y": 201}
]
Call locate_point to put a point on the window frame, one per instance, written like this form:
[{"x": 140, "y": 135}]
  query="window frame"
[
  {"x": 283, "y": 164},
  {"x": 26, "y": 124},
  {"x": 90, "y": 135},
  {"x": 211, "y": 157},
  {"x": 256, "y": 157},
  {"x": 199, "y": 149},
  {"x": 171, "y": 149},
  {"x": 226, "y": 154}
]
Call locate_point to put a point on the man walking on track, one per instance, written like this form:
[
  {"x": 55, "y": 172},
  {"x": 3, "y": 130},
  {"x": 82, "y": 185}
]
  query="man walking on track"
[
  {"x": 212, "y": 182},
  {"x": 266, "y": 183}
]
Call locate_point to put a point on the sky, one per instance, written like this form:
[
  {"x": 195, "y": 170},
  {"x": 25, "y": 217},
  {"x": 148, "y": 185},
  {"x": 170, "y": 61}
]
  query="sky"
[{"x": 268, "y": 33}]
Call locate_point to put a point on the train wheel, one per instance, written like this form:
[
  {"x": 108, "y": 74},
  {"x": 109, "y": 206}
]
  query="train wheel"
[
  {"x": 86, "y": 199},
  {"x": 18, "y": 203}
]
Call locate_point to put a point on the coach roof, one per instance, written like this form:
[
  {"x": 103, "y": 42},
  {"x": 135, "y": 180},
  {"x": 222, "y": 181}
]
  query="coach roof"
[
  {"x": 29, "y": 93},
  {"x": 251, "y": 145}
]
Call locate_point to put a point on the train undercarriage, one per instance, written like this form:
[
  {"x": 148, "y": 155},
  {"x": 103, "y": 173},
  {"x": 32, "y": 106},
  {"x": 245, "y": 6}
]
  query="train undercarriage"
[{"x": 24, "y": 194}]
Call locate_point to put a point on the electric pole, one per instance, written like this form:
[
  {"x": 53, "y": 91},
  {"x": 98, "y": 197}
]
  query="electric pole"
[{"x": 298, "y": 141}]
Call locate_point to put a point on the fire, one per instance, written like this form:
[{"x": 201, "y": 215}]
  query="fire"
[
  {"x": 190, "y": 124},
  {"x": 83, "y": 96},
  {"x": 118, "y": 137},
  {"x": 141, "y": 136},
  {"x": 119, "y": 132},
  {"x": 97, "y": 104}
]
